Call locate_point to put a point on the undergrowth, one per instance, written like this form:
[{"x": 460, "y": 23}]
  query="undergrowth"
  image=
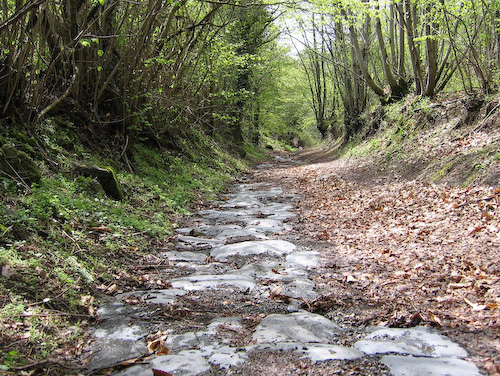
[
  {"x": 438, "y": 140},
  {"x": 63, "y": 240}
]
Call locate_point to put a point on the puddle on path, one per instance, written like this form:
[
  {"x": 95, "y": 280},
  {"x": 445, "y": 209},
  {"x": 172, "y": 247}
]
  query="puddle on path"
[{"x": 232, "y": 254}]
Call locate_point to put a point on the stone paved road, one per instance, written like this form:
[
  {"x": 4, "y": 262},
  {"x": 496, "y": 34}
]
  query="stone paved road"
[{"x": 233, "y": 251}]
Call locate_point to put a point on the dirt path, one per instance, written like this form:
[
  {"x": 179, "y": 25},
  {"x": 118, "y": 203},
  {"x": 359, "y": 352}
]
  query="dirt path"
[
  {"x": 401, "y": 253},
  {"x": 301, "y": 270}
]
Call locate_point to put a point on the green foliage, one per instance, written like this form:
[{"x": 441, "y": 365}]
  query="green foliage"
[{"x": 66, "y": 236}]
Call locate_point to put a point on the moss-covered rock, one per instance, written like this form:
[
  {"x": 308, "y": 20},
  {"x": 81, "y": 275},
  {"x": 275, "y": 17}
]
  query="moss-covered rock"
[
  {"x": 105, "y": 176},
  {"x": 17, "y": 165}
]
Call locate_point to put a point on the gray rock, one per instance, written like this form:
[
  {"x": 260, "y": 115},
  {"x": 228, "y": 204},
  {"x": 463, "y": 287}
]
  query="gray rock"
[
  {"x": 105, "y": 176},
  {"x": 321, "y": 352},
  {"x": 17, "y": 165},
  {"x": 317, "y": 352},
  {"x": 417, "y": 366},
  {"x": 189, "y": 340},
  {"x": 415, "y": 341},
  {"x": 266, "y": 225},
  {"x": 216, "y": 231},
  {"x": 304, "y": 258},
  {"x": 132, "y": 332},
  {"x": 164, "y": 296},
  {"x": 196, "y": 241},
  {"x": 185, "y": 363},
  {"x": 276, "y": 247},
  {"x": 279, "y": 271},
  {"x": 301, "y": 327},
  {"x": 110, "y": 351},
  {"x": 198, "y": 257},
  {"x": 137, "y": 370},
  {"x": 213, "y": 281},
  {"x": 300, "y": 288},
  {"x": 224, "y": 356}
]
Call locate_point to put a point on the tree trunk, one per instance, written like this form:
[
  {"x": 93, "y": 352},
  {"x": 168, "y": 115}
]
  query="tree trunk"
[
  {"x": 361, "y": 61},
  {"x": 410, "y": 26}
]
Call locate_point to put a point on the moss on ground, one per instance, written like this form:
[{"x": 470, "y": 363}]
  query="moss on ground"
[
  {"x": 431, "y": 140},
  {"x": 62, "y": 241}
]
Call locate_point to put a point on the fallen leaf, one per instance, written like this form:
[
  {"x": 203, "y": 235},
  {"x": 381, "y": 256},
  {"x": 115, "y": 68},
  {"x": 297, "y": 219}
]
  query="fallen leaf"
[
  {"x": 131, "y": 361},
  {"x": 455, "y": 286},
  {"x": 477, "y": 229},
  {"x": 157, "y": 372},
  {"x": 112, "y": 289},
  {"x": 158, "y": 346},
  {"x": 101, "y": 229},
  {"x": 275, "y": 291},
  {"x": 476, "y": 307},
  {"x": 41, "y": 273},
  {"x": 434, "y": 319},
  {"x": 492, "y": 368}
]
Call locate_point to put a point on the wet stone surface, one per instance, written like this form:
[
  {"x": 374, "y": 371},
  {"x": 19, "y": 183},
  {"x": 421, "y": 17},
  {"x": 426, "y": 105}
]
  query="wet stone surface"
[{"x": 235, "y": 307}]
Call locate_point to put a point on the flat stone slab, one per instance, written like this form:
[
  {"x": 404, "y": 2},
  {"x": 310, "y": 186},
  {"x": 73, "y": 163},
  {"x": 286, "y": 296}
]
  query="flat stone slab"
[
  {"x": 224, "y": 356},
  {"x": 282, "y": 216},
  {"x": 188, "y": 256},
  {"x": 216, "y": 230},
  {"x": 163, "y": 296},
  {"x": 300, "y": 288},
  {"x": 125, "y": 332},
  {"x": 317, "y": 352},
  {"x": 420, "y": 341},
  {"x": 110, "y": 351},
  {"x": 185, "y": 363},
  {"x": 137, "y": 370},
  {"x": 266, "y": 225},
  {"x": 226, "y": 216},
  {"x": 213, "y": 281},
  {"x": 301, "y": 327},
  {"x": 304, "y": 258},
  {"x": 241, "y": 201},
  {"x": 321, "y": 352},
  {"x": 204, "y": 338},
  {"x": 197, "y": 241},
  {"x": 276, "y": 208},
  {"x": 278, "y": 271},
  {"x": 276, "y": 247},
  {"x": 418, "y": 366}
]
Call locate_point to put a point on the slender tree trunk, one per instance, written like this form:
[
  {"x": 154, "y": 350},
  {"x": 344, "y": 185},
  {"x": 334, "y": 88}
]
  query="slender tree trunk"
[
  {"x": 361, "y": 60},
  {"x": 409, "y": 20},
  {"x": 396, "y": 89},
  {"x": 431, "y": 52}
]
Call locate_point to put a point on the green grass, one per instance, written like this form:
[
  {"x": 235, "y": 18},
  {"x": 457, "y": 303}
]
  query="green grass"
[{"x": 62, "y": 238}]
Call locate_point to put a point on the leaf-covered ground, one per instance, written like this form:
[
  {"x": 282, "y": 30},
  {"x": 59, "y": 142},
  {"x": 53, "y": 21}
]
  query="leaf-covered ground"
[{"x": 402, "y": 253}]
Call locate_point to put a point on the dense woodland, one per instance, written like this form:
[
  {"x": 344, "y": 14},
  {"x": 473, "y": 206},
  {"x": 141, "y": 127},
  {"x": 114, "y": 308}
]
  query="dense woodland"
[
  {"x": 173, "y": 98},
  {"x": 141, "y": 67},
  {"x": 144, "y": 67}
]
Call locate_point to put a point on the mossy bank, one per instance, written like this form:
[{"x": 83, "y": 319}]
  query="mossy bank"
[
  {"x": 66, "y": 236},
  {"x": 443, "y": 140}
]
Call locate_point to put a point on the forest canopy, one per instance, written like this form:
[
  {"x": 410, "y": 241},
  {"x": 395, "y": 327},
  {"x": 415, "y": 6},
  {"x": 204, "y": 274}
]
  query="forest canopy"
[{"x": 151, "y": 65}]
